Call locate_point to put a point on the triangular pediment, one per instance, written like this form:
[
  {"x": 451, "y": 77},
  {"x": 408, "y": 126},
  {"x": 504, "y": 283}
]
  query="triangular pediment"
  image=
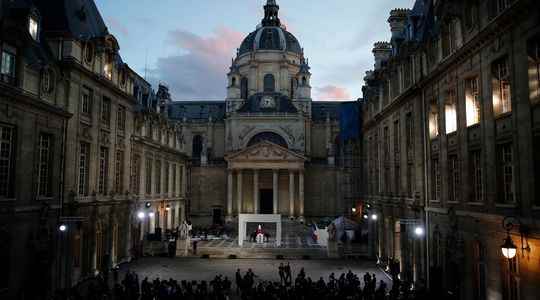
[{"x": 265, "y": 151}]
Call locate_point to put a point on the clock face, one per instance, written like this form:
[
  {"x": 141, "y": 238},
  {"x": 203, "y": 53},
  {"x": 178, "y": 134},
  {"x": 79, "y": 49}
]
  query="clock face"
[{"x": 268, "y": 102}]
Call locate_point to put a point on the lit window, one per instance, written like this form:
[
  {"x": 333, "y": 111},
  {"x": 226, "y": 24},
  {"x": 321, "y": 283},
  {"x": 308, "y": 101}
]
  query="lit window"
[
  {"x": 33, "y": 26},
  {"x": 501, "y": 87},
  {"x": 450, "y": 113},
  {"x": 44, "y": 165},
  {"x": 533, "y": 49},
  {"x": 433, "y": 121},
  {"x": 472, "y": 101},
  {"x": 7, "y": 159},
  {"x": 107, "y": 68}
]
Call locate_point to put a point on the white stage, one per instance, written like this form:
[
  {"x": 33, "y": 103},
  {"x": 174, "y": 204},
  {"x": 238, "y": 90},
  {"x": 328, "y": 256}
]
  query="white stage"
[{"x": 243, "y": 219}]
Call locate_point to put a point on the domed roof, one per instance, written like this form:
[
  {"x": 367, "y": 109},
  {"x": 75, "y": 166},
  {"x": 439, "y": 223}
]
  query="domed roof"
[
  {"x": 270, "y": 38},
  {"x": 271, "y": 35}
]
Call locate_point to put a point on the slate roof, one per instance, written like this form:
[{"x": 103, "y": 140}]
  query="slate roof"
[
  {"x": 270, "y": 38},
  {"x": 197, "y": 110},
  {"x": 75, "y": 18},
  {"x": 319, "y": 110}
]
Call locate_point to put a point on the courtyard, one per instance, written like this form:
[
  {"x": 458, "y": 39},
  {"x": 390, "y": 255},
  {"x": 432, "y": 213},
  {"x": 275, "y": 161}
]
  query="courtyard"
[{"x": 265, "y": 269}]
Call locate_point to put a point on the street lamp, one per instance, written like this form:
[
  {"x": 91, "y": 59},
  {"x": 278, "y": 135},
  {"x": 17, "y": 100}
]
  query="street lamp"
[
  {"x": 419, "y": 231},
  {"x": 353, "y": 210},
  {"x": 508, "y": 248},
  {"x": 62, "y": 227},
  {"x": 141, "y": 215},
  {"x": 374, "y": 217}
]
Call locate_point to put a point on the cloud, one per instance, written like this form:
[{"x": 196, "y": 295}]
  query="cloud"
[
  {"x": 332, "y": 92},
  {"x": 199, "y": 70},
  {"x": 117, "y": 26}
]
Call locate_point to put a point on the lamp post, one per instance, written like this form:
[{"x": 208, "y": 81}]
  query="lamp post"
[{"x": 508, "y": 248}]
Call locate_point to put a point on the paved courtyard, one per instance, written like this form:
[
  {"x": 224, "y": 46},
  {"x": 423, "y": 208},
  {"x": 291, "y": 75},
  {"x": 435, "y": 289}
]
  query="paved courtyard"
[{"x": 207, "y": 269}]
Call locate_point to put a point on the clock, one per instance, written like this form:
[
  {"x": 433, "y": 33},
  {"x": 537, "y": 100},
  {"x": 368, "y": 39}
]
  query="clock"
[{"x": 268, "y": 102}]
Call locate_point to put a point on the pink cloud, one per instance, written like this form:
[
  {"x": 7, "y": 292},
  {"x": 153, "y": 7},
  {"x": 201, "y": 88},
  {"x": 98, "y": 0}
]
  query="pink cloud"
[
  {"x": 117, "y": 26},
  {"x": 332, "y": 92},
  {"x": 200, "y": 70}
]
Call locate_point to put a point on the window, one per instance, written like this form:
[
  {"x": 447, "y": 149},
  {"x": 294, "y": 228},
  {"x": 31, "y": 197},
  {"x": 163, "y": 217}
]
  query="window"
[
  {"x": 7, "y": 69},
  {"x": 472, "y": 101},
  {"x": 103, "y": 170},
  {"x": 174, "y": 183},
  {"x": 475, "y": 174},
  {"x": 182, "y": 180},
  {"x": 33, "y": 27},
  {"x": 450, "y": 112},
  {"x": 44, "y": 165},
  {"x": 84, "y": 166},
  {"x": 294, "y": 86},
  {"x": 7, "y": 160},
  {"x": 86, "y": 101},
  {"x": 433, "y": 120},
  {"x": 269, "y": 83},
  {"x": 471, "y": 13},
  {"x": 449, "y": 38},
  {"x": 410, "y": 180},
  {"x": 106, "y": 111},
  {"x": 435, "y": 180},
  {"x": 121, "y": 118},
  {"x": 244, "y": 88},
  {"x": 386, "y": 144},
  {"x": 158, "y": 176},
  {"x": 533, "y": 49},
  {"x": 88, "y": 53},
  {"x": 397, "y": 181},
  {"x": 479, "y": 271},
  {"x": 409, "y": 135},
  {"x": 107, "y": 68},
  {"x": 501, "y": 87},
  {"x": 166, "y": 178},
  {"x": 119, "y": 172},
  {"x": 453, "y": 178},
  {"x": 148, "y": 170},
  {"x": 47, "y": 81},
  {"x": 505, "y": 174},
  {"x": 135, "y": 174},
  {"x": 501, "y": 5}
]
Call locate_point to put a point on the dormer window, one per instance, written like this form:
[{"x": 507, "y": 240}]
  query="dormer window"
[
  {"x": 33, "y": 26},
  {"x": 107, "y": 68}
]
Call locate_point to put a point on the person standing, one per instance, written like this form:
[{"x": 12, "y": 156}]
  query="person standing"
[
  {"x": 281, "y": 273},
  {"x": 238, "y": 281}
]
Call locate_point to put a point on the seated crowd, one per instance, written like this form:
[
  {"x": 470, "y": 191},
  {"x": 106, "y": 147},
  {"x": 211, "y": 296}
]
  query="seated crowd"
[{"x": 345, "y": 286}]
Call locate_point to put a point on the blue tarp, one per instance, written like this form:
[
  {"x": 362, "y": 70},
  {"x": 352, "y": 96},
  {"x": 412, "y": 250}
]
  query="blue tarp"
[{"x": 349, "y": 121}]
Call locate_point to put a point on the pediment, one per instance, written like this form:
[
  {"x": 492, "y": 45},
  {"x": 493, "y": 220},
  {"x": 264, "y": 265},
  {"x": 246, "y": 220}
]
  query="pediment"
[{"x": 265, "y": 151}]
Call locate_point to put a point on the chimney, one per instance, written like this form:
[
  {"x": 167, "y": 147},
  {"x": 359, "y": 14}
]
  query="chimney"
[
  {"x": 397, "y": 20},
  {"x": 382, "y": 51}
]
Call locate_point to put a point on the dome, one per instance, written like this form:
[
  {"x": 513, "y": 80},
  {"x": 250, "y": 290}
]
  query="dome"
[{"x": 270, "y": 38}]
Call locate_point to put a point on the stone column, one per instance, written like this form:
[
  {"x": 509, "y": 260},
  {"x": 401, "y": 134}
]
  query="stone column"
[
  {"x": 301, "y": 196},
  {"x": 169, "y": 218},
  {"x": 276, "y": 190},
  {"x": 291, "y": 193},
  {"x": 229, "y": 193},
  {"x": 239, "y": 192},
  {"x": 255, "y": 191}
]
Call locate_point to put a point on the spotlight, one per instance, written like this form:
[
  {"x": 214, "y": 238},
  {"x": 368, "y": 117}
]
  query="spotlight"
[
  {"x": 151, "y": 214},
  {"x": 374, "y": 217},
  {"x": 148, "y": 204},
  {"x": 140, "y": 215},
  {"x": 353, "y": 210},
  {"x": 419, "y": 231},
  {"x": 366, "y": 217},
  {"x": 62, "y": 227}
]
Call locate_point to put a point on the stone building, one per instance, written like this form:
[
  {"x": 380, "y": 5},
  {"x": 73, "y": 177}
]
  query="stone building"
[
  {"x": 85, "y": 144},
  {"x": 451, "y": 146},
  {"x": 268, "y": 148},
  {"x": 33, "y": 120}
]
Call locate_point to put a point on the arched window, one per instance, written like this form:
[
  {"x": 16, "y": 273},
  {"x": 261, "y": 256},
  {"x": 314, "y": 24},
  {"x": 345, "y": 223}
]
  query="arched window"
[
  {"x": 294, "y": 85},
  {"x": 244, "y": 88},
  {"x": 233, "y": 81},
  {"x": 197, "y": 146},
  {"x": 270, "y": 137},
  {"x": 269, "y": 83},
  {"x": 304, "y": 80}
]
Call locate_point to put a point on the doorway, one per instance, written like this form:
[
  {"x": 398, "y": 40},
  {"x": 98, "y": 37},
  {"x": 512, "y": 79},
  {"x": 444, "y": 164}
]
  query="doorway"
[
  {"x": 266, "y": 204},
  {"x": 217, "y": 216}
]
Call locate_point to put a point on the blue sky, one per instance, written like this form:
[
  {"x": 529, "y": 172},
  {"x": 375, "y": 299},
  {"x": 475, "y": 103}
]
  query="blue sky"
[{"x": 188, "y": 44}]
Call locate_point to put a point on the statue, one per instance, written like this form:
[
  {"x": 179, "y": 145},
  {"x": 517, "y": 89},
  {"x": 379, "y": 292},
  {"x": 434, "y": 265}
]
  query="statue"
[{"x": 260, "y": 235}]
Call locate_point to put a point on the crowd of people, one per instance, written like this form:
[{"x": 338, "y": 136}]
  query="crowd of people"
[{"x": 246, "y": 286}]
